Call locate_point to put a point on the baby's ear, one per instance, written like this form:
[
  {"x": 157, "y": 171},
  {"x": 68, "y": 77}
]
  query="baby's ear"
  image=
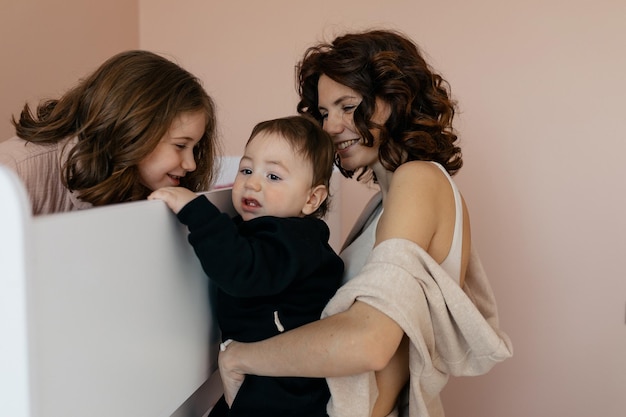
[{"x": 318, "y": 194}]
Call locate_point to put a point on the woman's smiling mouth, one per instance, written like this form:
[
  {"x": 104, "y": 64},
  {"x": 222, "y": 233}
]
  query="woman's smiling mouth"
[{"x": 343, "y": 145}]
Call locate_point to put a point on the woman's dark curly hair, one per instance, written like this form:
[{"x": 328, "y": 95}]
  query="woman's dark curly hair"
[
  {"x": 118, "y": 115},
  {"x": 387, "y": 65}
]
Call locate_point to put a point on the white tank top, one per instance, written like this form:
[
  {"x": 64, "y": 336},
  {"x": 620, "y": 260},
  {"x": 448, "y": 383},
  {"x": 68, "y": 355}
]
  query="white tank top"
[{"x": 355, "y": 254}]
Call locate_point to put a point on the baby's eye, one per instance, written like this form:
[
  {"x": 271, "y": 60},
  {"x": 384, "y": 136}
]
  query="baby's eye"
[
  {"x": 246, "y": 171},
  {"x": 273, "y": 177}
]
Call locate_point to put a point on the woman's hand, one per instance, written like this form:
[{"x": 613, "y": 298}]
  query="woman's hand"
[{"x": 231, "y": 378}]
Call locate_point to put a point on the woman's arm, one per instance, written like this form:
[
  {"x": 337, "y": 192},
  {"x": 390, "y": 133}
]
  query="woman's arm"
[
  {"x": 419, "y": 207},
  {"x": 362, "y": 338},
  {"x": 358, "y": 340},
  {"x": 391, "y": 380},
  {"x": 418, "y": 199}
]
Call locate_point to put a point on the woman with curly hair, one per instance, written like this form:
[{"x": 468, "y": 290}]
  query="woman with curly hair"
[
  {"x": 416, "y": 305},
  {"x": 138, "y": 123}
]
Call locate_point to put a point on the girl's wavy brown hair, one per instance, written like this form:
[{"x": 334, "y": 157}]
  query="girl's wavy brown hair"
[
  {"x": 118, "y": 115},
  {"x": 387, "y": 65}
]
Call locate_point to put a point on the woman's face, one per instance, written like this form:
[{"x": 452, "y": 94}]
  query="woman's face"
[
  {"x": 337, "y": 104},
  {"x": 173, "y": 157}
]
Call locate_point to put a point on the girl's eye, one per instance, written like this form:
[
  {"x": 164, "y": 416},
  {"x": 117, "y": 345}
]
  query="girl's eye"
[
  {"x": 181, "y": 146},
  {"x": 273, "y": 177}
]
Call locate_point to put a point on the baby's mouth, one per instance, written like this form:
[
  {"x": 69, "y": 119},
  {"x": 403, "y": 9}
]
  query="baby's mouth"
[{"x": 251, "y": 203}]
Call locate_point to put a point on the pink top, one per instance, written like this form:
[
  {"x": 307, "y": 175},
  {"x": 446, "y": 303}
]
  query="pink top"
[{"x": 39, "y": 168}]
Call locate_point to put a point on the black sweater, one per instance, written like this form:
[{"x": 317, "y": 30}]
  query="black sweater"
[{"x": 272, "y": 274}]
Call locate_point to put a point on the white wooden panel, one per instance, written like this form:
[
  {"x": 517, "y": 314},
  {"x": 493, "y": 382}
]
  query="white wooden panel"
[
  {"x": 117, "y": 312},
  {"x": 14, "y": 221}
]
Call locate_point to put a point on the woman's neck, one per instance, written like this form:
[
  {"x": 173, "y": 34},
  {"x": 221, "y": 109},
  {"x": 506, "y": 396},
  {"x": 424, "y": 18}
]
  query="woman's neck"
[{"x": 383, "y": 177}]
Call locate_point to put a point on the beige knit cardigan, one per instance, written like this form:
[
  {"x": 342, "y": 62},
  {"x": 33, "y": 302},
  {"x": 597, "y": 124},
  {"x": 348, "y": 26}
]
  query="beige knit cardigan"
[{"x": 452, "y": 330}]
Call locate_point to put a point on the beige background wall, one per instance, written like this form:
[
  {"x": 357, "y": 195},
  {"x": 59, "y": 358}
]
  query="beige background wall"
[
  {"x": 541, "y": 88},
  {"x": 46, "y": 45}
]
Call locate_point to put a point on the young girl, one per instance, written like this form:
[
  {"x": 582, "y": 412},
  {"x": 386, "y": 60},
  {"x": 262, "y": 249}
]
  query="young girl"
[
  {"x": 138, "y": 123},
  {"x": 416, "y": 305}
]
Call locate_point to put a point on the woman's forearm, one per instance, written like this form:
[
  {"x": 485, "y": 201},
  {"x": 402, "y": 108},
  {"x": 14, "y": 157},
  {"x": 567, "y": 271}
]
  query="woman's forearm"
[{"x": 358, "y": 340}]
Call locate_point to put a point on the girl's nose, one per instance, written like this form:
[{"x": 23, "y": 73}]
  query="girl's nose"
[{"x": 189, "y": 162}]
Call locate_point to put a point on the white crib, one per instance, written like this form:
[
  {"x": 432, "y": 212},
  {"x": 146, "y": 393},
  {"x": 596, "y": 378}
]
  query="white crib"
[{"x": 103, "y": 312}]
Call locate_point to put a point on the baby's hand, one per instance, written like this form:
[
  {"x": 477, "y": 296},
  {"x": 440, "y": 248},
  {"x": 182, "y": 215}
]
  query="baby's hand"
[{"x": 175, "y": 197}]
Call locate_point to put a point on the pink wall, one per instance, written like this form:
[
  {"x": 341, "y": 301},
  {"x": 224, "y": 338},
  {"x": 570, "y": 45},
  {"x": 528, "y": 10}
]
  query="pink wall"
[
  {"x": 46, "y": 45},
  {"x": 541, "y": 88}
]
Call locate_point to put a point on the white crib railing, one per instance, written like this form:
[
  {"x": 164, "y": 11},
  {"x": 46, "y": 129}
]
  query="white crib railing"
[{"x": 103, "y": 312}]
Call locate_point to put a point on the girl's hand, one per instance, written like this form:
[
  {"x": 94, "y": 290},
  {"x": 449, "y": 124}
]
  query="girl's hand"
[
  {"x": 231, "y": 378},
  {"x": 175, "y": 197}
]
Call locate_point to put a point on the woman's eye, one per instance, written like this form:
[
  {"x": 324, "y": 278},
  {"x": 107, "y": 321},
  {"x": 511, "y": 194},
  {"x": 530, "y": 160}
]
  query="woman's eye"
[
  {"x": 181, "y": 146},
  {"x": 324, "y": 116},
  {"x": 349, "y": 109}
]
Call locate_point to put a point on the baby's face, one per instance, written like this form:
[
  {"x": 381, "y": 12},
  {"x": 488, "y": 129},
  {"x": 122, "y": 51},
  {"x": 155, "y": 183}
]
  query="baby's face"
[{"x": 273, "y": 179}]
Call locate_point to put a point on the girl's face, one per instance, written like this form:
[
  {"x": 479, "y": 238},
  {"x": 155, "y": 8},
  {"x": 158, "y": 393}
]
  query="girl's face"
[
  {"x": 173, "y": 157},
  {"x": 273, "y": 180},
  {"x": 337, "y": 104}
]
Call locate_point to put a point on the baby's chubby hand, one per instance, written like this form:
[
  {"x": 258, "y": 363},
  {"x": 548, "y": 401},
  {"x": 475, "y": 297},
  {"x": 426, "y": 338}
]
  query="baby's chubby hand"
[{"x": 175, "y": 197}]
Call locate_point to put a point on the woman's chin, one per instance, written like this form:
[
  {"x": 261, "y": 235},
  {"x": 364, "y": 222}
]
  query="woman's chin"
[{"x": 347, "y": 166}]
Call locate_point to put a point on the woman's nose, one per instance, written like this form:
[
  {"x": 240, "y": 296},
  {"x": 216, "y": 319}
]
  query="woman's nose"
[{"x": 333, "y": 124}]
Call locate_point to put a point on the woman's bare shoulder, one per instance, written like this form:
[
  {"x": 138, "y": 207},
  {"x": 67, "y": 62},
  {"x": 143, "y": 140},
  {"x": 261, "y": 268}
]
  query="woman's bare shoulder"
[
  {"x": 419, "y": 172},
  {"x": 418, "y": 182},
  {"x": 414, "y": 203}
]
